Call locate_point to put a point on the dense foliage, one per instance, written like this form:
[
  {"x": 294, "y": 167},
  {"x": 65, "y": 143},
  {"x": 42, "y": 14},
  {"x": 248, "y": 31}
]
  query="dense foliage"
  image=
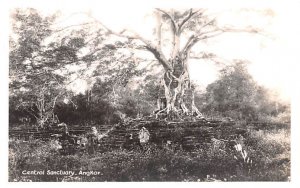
[{"x": 236, "y": 95}]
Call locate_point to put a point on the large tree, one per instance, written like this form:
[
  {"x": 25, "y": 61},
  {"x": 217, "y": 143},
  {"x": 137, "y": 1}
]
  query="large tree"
[
  {"x": 177, "y": 96},
  {"x": 234, "y": 93},
  {"x": 37, "y": 67},
  {"x": 42, "y": 55}
]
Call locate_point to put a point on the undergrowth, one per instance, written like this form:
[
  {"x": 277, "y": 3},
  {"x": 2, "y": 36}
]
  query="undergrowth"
[{"x": 269, "y": 150}]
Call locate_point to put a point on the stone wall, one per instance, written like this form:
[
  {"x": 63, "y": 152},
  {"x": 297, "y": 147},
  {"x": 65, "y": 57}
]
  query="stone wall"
[{"x": 188, "y": 135}]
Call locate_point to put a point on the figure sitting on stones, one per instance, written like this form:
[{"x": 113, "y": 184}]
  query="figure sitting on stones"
[
  {"x": 144, "y": 136},
  {"x": 67, "y": 141}
]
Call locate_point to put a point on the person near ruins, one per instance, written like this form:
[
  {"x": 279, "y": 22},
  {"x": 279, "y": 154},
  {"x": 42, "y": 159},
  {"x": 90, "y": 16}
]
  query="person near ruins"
[
  {"x": 92, "y": 140},
  {"x": 67, "y": 141},
  {"x": 144, "y": 136}
]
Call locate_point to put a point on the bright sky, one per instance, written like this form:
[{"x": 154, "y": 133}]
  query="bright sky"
[{"x": 270, "y": 55}]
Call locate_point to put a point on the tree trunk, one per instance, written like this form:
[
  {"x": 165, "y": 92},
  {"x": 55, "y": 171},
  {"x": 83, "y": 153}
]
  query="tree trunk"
[{"x": 176, "y": 93}]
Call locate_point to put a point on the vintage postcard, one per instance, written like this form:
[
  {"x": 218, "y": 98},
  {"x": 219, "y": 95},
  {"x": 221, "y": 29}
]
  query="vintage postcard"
[{"x": 122, "y": 92}]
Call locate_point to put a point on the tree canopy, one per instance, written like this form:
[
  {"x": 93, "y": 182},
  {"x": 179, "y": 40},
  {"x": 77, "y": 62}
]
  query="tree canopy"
[{"x": 235, "y": 94}]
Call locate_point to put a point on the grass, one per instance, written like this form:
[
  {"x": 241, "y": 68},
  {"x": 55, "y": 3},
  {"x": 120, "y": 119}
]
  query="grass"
[{"x": 269, "y": 150}]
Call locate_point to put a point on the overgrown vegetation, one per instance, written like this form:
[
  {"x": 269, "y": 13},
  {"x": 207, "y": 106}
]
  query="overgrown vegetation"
[{"x": 269, "y": 150}]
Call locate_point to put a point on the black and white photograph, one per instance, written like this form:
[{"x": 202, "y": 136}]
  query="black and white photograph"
[{"x": 141, "y": 93}]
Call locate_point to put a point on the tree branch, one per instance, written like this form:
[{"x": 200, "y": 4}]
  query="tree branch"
[
  {"x": 74, "y": 25},
  {"x": 160, "y": 57},
  {"x": 158, "y": 28},
  {"x": 206, "y": 24},
  {"x": 191, "y": 41},
  {"x": 194, "y": 39},
  {"x": 174, "y": 25},
  {"x": 211, "y": 56},
  {"x": 148, "y": 44},
  {"x": 210, "y": 34},
  {"x": 187, "y": 18}
]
